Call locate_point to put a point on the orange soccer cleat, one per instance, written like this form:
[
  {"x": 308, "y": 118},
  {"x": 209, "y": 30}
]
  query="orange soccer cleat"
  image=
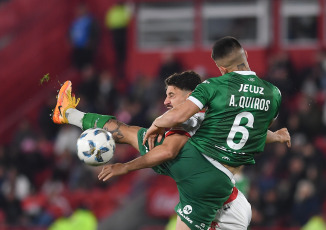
[{"x": 64, "y": 101}]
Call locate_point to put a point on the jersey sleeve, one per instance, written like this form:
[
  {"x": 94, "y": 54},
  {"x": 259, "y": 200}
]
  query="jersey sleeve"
[
  {"x": 201, "y": 94},
  {"x": 278, "y": 100},
  {"x": 189, "y": 127}
]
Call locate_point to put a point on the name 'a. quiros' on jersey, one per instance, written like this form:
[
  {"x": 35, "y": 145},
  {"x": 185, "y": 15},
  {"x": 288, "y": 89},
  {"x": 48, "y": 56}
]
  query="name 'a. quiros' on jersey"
[{"x": 250, "y": 102}]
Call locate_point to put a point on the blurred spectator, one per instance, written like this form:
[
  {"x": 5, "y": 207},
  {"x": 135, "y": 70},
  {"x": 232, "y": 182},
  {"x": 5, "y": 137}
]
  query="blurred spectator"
[
  {"x": 66, "y": 140},
  {"x": 123, "y": 111},
  {"x": 156, "y": 109},
  {"x": 81, "y": 177},
  {"x": 320, "y": 70},
  {"x": 108, "y": 97},
  {"x": 141, "y": 88},
  {"x": 64, "y": 163},
  {"x": 306, "y": 203},
  {"x": 137, "y": 110},
  {"x": 81, "y": 219},
  {"x": 324, "y": 115},
  {"x": 24, "y": 137},
  {"x": 315, "y": 75},
  {"x": 17, "y": 184},
  {"x": 25, "y": 154},
  {"x": 57, "y": 205},
  {"x": 132, "y": 112},
  {"x": 84, "y": 36},
  {"x": 13, "y": 210},
  {"x": 254, "y": 198},
  {"x": 270, "y": 207},
  {"x": 117, "y": 19},
  {"x": 315, "y": 223},
  {"x": 281, "y": 73},
  {"x": 4, "y": 160},
  {"x": 49, "y": 129},
  {"x": 169, "y": 65},
  {"x": 309, "y": 117},
  {"x": 88, "y": 88}
]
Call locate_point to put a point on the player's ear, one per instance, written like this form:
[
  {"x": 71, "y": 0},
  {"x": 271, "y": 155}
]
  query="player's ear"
[{"x": 246, "y": 53}]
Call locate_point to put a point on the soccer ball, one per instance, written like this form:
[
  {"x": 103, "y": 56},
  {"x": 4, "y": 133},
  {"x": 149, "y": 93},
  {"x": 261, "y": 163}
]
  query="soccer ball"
[{"x": 95, "y": 146}]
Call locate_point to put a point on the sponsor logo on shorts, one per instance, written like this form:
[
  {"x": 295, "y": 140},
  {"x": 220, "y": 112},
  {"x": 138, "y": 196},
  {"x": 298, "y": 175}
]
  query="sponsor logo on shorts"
[
  {"x": 187, "y": 209},
  {"x": 146, "y": 148},
  {"x": 184, "y": 216},
  {"x": 199, "y": 227}
]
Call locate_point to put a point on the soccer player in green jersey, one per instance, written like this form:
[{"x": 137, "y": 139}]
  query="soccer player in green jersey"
[
  {"x": 179, "y": 87},
  {"x": 240, "y": 108}
]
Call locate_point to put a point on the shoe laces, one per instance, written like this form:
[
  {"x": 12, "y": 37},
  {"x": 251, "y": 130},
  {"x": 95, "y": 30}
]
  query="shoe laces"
[{"x": 72, "y": 99}]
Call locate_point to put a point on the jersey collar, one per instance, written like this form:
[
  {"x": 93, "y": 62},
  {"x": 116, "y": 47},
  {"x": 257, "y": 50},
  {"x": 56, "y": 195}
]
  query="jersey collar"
[{"x": 245, "y": 72}]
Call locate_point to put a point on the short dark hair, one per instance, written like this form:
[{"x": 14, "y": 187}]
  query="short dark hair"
[
  {"x": 187, "y": 80},
  {"x": 224, "y": 46}
]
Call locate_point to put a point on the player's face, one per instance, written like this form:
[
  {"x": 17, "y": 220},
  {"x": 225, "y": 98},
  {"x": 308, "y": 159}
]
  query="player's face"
[{"x": 175, "y": 96}]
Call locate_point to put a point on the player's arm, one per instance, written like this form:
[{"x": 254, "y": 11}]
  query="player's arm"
[
  {"x": 281, "y": 135},
  {"x": 122, "y": 133},
  {"x": 171, "y": 118},
  {"x": 167, "y": 151}
]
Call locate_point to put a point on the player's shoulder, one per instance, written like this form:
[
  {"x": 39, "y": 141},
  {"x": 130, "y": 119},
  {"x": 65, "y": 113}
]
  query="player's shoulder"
[
  {"x": 209, "y": 81},
  {"x": 273, "y": 87},
  {"x": 207, "y": 84},
  {"x": 215, "y": 80}
]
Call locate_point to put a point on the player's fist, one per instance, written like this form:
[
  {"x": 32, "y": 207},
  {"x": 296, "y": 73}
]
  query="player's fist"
[{"x": 284, "y": 136}]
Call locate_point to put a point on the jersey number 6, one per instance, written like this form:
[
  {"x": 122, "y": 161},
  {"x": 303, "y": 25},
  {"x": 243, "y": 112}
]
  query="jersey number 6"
[{"x": 236, "y": 128}]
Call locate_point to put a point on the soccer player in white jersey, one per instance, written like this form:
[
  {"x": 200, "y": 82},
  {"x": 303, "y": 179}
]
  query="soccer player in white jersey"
[{"x": 65, "y": 112}]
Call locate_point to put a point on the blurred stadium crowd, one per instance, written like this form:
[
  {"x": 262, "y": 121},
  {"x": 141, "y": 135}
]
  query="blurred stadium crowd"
[
  {"x": 42, "y": 180},
  {"x": 286, "y": 187}
]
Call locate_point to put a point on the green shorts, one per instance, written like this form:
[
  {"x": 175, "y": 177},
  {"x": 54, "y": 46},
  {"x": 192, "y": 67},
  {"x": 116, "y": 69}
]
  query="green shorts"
[
  {"x": 143, "y": 149},
  {"x": 202, "y": 187}
]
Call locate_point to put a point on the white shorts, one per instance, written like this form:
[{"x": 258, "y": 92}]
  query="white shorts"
[{"x": 235, "y": 215}]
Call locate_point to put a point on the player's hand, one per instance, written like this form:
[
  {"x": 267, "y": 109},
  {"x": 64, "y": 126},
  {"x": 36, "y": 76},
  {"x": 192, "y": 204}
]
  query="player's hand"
[
  {"x": 284, "y": 136},
  {"x": 154, "y": 131},
  {"x": 112, "y": 170},
  {"x": 151, "y": 141}
]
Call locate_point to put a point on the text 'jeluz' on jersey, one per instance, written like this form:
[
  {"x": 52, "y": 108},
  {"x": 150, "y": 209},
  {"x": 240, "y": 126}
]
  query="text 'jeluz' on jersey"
[
  {"x": 251, "y": 89},
  {"x": 250, "y": 102}
]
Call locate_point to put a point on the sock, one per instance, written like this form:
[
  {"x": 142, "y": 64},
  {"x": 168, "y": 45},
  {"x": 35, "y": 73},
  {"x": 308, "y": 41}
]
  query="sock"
[
  {"x": 93, "y": 120},
  {"x": 75, "y": 117}
]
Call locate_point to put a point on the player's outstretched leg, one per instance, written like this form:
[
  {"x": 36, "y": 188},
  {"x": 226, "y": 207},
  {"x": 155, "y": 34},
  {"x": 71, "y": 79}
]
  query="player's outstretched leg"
[
  {"x": 65, "y": 112},
  {"x": 64, "y": 101}
]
